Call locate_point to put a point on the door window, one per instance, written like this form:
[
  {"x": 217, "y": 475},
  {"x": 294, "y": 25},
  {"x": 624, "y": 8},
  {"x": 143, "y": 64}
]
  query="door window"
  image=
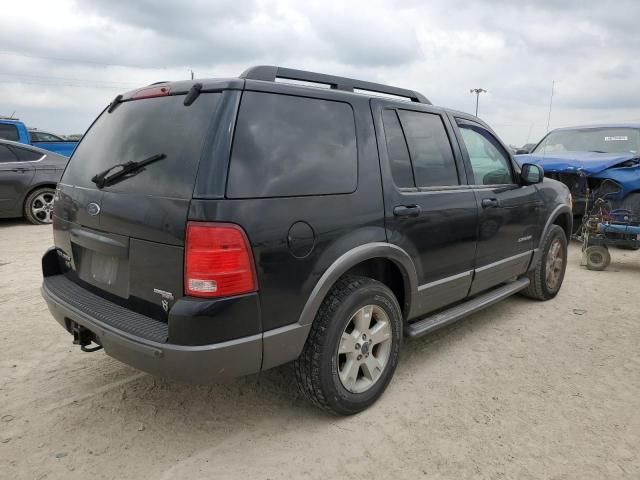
[
  {"x": 491, "y": 165},
  {"x": 430, "y": 149}
]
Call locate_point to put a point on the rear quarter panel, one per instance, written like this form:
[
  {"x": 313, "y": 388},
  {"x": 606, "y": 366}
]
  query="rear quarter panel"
[{"x": 339, "y": 223}]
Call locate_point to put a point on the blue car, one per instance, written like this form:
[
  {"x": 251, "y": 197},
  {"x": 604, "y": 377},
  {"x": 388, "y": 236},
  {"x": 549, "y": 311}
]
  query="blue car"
[
  {"x": 14, "y": 130},
  {"x": 593, "y": 161}
]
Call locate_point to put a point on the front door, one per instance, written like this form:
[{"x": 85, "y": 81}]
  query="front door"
[
  {"x": 509, "y": 212},
  {"x": 430, "y": 212},
  {"x": 15, "y": 180}
]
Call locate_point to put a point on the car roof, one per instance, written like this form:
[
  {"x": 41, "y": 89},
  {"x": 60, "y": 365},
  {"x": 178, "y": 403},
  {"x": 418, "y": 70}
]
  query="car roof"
[{"x": 274, "y": 74}]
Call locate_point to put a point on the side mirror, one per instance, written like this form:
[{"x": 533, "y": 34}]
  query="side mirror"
[{"x": 531, "y": 174}]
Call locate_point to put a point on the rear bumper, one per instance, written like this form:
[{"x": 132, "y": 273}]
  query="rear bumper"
[{"x": 195, "y": 364}]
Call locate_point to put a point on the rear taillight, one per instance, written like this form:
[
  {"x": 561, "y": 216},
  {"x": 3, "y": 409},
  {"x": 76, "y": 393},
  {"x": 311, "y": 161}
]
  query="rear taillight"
[{"x": 218, "y": 261}]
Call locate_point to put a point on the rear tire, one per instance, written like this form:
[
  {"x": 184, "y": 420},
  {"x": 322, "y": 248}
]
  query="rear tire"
[
  {"x": 38, "y": 206},
  {"x": 598, "y": 257},
  {"x": 546, "y": 278},
  {"x": 353, "y": 347}
]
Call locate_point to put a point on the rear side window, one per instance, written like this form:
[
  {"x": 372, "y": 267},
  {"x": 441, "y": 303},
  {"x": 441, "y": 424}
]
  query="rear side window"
[
  {"x": 25, "y": 155},
  {"x": 8, "y": 132},
  {"x": 6, "y": 155},
  {"x": 292, "y": 146},
  {"x": 397, "y": 151},
  {"x": 430, "y": 149},
  {"x": 138, "y": 129}
]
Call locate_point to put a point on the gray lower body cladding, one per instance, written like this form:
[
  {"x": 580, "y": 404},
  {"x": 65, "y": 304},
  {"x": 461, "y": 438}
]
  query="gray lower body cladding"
[{"x": 140, "y": 342}]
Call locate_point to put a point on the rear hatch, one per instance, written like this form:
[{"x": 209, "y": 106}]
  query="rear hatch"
[{"x": 125, "y": 241}]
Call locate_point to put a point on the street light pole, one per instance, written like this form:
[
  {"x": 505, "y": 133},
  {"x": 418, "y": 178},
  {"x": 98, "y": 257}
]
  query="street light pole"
[{"x": 477, "y": 91}]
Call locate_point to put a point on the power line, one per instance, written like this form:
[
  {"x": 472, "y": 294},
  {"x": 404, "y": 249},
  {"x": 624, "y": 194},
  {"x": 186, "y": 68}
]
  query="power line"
[
  {"x": 50, "y": 77},
  {"x": 74, "y": 60},
  {"x": 75, "y": 85}
]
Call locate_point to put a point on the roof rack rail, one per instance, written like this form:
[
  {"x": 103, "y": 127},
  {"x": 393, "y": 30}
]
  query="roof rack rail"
[
  {"x": 9, "y": 118},
  {"x": 270, "y": 73}
]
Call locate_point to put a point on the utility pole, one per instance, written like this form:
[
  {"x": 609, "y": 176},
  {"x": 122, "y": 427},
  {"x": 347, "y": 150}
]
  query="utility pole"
[
  {"x": 477, "y": 91},
  {"x": 553, "y": 84}
]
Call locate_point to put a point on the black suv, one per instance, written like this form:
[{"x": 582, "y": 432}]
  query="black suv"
[{"x": 216, "y": 228}]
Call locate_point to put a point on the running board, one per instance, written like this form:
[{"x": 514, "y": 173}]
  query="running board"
[{"x": 453, "y": 314}]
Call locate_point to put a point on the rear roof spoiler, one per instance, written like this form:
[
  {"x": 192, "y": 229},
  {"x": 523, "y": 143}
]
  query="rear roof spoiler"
[{"x": 269, "y": 73}]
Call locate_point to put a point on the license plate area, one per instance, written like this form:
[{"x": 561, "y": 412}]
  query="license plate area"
[{"x": 104, "y": 268}]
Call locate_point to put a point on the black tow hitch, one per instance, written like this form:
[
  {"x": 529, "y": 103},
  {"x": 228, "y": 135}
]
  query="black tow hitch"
[{"x": 83, "y": 336}]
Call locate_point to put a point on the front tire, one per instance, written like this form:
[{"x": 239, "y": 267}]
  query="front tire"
[
  {"x": 353, "y": 347},
  {"x": 38, "y": 206},
  {"x": 547, "y": 276}
]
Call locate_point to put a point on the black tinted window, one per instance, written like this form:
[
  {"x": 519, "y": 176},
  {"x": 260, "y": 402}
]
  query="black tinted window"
[
  {"x": 289, "y": 146},
  {"x": 7, "y": 155},
  {"x": 431, "y": 154},
  {"x": 397, "y": 150},
  {"x": 138, "y": 129},
  {"x": 8, "y": 132},
  {"x": 25, "y": 155}
]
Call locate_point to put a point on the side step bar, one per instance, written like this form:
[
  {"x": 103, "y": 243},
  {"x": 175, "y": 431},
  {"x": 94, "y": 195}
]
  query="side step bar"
[{"x": 439, "y": 320}]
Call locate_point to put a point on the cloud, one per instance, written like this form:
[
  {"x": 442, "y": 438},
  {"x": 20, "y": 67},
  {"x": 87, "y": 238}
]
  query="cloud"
[{"x": 62, "y": 64}]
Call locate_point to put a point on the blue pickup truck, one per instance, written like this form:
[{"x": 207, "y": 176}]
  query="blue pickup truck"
[{"x": 16, "y": 131}]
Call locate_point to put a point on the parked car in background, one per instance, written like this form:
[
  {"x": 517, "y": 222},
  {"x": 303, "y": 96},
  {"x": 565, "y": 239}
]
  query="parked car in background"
[
  {"x": 593, "y": 161},
  {"x": 16, "y": 131},
  {"x": 526, "y": 148},
  {"x": 283, "y": 222},
  {"x": 28, "y": 178},
  {"x": 74, "y": 137}
]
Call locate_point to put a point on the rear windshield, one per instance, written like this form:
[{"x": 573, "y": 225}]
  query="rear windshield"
[
  {"x": 8, "y": 132},
  {"x": 138, "y": 129}
]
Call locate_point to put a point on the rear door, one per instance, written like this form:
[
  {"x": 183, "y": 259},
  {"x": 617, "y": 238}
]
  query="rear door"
[
  {"x": 125, "y": 241},
  {"x": 15, "y": 180},
  {"x": 509, "y": 212},
  {"x": 430, "y": 212}
]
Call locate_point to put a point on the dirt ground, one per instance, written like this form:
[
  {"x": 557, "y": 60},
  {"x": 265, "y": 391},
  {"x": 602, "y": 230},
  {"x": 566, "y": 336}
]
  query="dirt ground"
[{"x": 523, "y": 390}]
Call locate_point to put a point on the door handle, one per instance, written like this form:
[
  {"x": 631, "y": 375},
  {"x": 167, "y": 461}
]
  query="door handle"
[
  {"x": 21, "y": 170},
  {"x": 490, "y": 203},
  {"x": 407, "y": 210}
]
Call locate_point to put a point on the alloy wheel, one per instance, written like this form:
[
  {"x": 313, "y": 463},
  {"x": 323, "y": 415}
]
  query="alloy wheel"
[{"x": 364, "y": 349}]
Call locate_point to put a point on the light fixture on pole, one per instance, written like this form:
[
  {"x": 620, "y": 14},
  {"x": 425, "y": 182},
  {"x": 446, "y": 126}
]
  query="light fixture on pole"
[{"x": 477, "y": 91}]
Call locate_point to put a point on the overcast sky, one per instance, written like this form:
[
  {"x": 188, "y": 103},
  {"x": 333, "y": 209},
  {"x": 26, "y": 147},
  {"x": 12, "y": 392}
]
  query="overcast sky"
[{"x": 62, "y": 61}]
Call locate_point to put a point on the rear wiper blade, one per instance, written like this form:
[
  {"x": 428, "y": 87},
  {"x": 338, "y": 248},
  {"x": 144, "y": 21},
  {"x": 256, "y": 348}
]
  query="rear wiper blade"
[{"x": 103, "y": 179}]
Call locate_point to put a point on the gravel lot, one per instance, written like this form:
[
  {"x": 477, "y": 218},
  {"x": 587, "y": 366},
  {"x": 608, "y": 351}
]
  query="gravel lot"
[{"x": 523, "y": 390}]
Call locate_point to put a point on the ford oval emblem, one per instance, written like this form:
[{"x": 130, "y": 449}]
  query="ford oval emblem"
[{"x": 93, "y": 209}]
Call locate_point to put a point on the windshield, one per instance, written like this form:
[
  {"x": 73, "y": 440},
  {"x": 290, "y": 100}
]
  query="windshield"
[
  {"x": 604, "y": 140},
  {"x": 139, "y": 129}
]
